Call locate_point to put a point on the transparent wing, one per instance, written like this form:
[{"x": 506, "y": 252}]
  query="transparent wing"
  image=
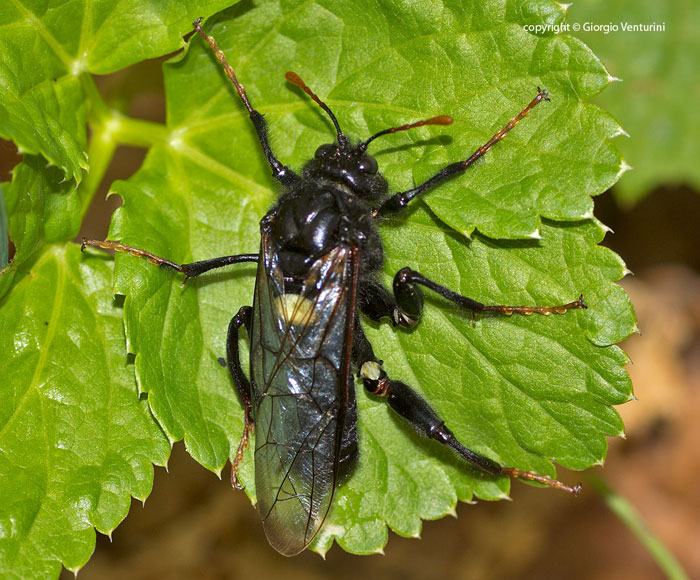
[{"x": 300, "y": 381}]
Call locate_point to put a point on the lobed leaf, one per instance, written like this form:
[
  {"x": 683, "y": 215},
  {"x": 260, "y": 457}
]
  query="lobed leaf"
[
  {"x": 522, "y": 390},
  {"x": 525, "y": 391}
]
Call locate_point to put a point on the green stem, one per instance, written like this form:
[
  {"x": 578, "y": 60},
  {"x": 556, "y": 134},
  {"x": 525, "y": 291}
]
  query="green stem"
[
  {"x": 98, "y": 108},
  {"x": 124, "y": 130},
  {"x": 100, "y": 152},
  {"x": 633, "y": 520},
  {"x": 109, "y": 130},
  {"x": 138, "y": 133}
]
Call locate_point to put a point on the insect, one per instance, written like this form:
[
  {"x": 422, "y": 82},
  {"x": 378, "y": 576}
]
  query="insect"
[{"x": 318, "y": 268}]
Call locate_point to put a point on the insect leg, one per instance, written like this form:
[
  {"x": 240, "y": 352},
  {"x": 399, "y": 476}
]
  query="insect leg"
[
  {"x": 241, "y": 382},
  {"x": 280, "y": 172},
  {"x": 400, "y": 200},
  {"x": 190, "y": 270},
  {"x": 423, "y": 419},
  {"x": 408, "y": 296},
  {"x": 403, "y": 307}
]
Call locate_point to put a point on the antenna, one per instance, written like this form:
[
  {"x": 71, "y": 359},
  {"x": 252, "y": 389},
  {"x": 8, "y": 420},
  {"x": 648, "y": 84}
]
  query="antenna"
[
  {"x": 295, "y": 79},
  {"x": 439, "y": 120}
]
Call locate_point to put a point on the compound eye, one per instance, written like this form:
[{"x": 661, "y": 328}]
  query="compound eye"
[
  {"x": 325, "y": 151},
  {"x": 368, "y": 165}
]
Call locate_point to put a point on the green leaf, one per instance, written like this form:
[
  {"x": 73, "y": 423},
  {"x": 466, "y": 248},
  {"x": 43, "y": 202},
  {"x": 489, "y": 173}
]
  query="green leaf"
[
  {"x": 75, "y": 440},
  {"x": 524, "y": 391},
  {"x": 43, "y": 208},
  {"x": 45, "y": 47},
  {"x": 554, "y": 161},
  {"x": 660, "y": 79}
]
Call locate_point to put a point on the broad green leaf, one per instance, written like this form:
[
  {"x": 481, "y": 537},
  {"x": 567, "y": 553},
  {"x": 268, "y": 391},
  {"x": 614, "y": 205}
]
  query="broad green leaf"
[
  {"x": 656, "y": 100},
  {"x": 522, "y": 390},
  {"x": 553, "y": 162},
  {"x": 176, "y": 332},
  {"x": 76, "y": 443},
  {"x": 46, "y": 46}
]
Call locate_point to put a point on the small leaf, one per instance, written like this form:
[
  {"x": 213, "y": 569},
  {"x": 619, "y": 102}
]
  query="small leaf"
[
  {"x": 43, "y": 207},
  {"x": 75, "y": 441}
]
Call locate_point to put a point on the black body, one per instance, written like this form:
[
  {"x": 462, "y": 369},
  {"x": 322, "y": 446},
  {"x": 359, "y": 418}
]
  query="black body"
[
  {"x": 319, "y": 247},
  {"x": 318, "y": 265}
]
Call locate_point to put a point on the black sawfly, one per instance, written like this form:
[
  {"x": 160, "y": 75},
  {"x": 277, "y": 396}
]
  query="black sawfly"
[{"x": 319, "y": 261}]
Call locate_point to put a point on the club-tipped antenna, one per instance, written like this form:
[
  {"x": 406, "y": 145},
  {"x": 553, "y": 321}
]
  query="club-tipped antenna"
[
  {"x": 439, "y": 120},
  {"x": 295, "y": 79}
]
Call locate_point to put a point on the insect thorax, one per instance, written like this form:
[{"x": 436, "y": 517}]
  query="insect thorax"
[{"x": 312, "y": 218}]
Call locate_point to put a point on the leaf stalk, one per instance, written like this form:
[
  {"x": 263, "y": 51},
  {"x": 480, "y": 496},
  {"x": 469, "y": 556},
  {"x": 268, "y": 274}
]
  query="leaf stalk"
[{"x": 629, "y": 516}]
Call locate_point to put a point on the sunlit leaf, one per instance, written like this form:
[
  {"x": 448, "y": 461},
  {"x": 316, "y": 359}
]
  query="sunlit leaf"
[
  {"x": 45, "y": 47},
  {"x": 76, "y": 443},
  {"x": 524, "y": 391}
]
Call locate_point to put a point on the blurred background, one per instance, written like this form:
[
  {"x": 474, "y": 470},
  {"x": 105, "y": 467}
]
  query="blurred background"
[{"x": 194, "y": 526}]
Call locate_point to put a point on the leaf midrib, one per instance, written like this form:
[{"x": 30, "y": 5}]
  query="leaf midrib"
[
  {"x": 44, "y": 32},
  {"x": 50, "y": 334}
]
